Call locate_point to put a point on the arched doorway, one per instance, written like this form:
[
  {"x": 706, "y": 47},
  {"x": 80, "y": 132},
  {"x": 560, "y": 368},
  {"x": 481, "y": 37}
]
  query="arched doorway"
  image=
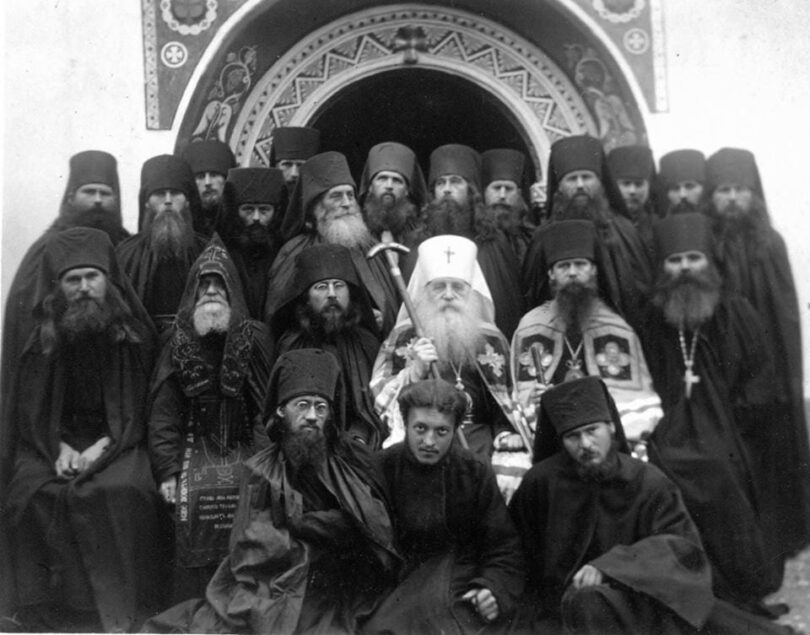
[
  {"x": 418, "y": 73},
  {"x": 421, "y": 108}
]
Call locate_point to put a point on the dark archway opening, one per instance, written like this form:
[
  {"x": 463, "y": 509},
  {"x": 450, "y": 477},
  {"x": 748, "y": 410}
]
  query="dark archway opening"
[{"x": 420, "y": 108}]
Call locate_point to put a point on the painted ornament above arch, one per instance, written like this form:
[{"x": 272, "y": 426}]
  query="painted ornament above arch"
[
  {"x": 538, "y": 94},
  {"x": 179, "y": 33}
]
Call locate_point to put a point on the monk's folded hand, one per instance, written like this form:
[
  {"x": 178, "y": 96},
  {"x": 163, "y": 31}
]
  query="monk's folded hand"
[
  {"x": 67, "y": 465},
  {"x": 92, "y": 454},
  {"x": 588, "y": 575},
  {"x": 484, "y": 602}
]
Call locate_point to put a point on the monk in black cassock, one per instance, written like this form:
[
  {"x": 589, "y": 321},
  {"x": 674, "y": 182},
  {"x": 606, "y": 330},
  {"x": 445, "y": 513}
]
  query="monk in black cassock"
[
  {"x": 328, "y": 309},
  {"x": 754, "y": 262},
  {"x": 312, "y": 544},
  {"x": 205, "y": 417},
  {"x": 81, "y": 505},
  {"x": 249, "y": 223},
  {"x": 92, "y": 198},
  {"x": 580, "y": 186},
  {"x": 324, "y": 209},
  {"x": 709, "y": 361},
  {"x": 157, "y": 259},
  {"x": 503, "y": 176},
  {"x": 392, "y": 191},
  {"x": 457, "y": 207},
  {"x": 463, "y": 568},
  {"x": 681, "y": 183},
  {"x": 633, "y": 169},
  {"x": 209, "y": 161},
  {"x": 292, "y": 146},
  {"x": 611, "y": 546}
]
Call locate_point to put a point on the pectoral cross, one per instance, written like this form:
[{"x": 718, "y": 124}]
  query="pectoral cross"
[
  {"x": 689, "y": 379},
  {"x": 449, "y": 253}
]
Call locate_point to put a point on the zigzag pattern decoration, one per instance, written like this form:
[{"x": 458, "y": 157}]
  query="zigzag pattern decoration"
[{"x": 444, "y": 40}]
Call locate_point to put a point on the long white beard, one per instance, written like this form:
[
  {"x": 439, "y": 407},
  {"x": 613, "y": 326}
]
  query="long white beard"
[
  {"x": 455, "y": 331},
  {"x": 211, "y": 317},
  {"x": 349, "y": 230}
]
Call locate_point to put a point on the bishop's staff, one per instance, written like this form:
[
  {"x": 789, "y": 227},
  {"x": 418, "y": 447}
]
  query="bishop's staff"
[{"x": 396, "y": 273}]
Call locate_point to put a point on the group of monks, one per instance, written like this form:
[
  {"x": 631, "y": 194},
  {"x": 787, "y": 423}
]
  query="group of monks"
[{"x": 298, "y": 402}]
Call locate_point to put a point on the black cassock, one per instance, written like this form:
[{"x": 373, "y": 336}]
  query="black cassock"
[
  {"x": 699, "y": 441},
  {"x": 632, "y": 526},
  {"x": 760, "y": 271},
  {"x": 373, "y": 274},
  {"x": 455, "y": 534}
]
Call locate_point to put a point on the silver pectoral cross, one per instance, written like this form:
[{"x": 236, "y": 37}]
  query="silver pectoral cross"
[{"x": 689, "y": 378}]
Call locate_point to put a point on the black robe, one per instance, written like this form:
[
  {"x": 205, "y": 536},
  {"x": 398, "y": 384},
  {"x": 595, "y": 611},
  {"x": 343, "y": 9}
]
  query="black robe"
[
  {"x": 455, "y": 534},
  {"x": 254, "y": 271},
  {"x": 760, "y": 271},
  {"x": 373, "y": 274},
  {"x": 312, "y": 556},
  {"x": 698, "y": 442},
  {"x": 355, "y": 352},
  {"x": 159, "y": 285},
  {"x": 632, "y": 526},
  {"x": 104, "y": 521}
]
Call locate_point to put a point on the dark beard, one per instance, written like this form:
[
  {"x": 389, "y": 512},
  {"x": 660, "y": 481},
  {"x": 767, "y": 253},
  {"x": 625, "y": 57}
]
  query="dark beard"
[
  {"x": 682, "y": 207},
  {"x": 579, "y": 207},
  {"x": 602, "y": 471},
  {"x": 575, "y": 301},
  {"x": 255, "y": 237},
  {"x": 688, "y": 300},
  {"x": 85, "y": 318},
  {"x": 170, "y": 234},
  {"x": 106, "y": 220},
  {"x": 733, "y": 223},
  {"x": 328, "y": 323},
  {"x": 393, "y": 217},
  {"x": 446, "y": 216},
  {"x": 304, "y": 448},
  {"x": 506, "y": 217}
]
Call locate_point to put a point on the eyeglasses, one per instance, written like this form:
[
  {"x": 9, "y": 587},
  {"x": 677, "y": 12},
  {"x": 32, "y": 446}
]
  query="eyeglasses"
[{"x": 303, "y": 406}]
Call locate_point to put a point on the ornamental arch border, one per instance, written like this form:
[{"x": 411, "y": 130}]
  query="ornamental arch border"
[{"x": 529, "y": 86}]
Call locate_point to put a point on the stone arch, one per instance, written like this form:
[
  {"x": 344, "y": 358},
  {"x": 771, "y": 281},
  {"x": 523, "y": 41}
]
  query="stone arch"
[{"x": 537, "y": 94}]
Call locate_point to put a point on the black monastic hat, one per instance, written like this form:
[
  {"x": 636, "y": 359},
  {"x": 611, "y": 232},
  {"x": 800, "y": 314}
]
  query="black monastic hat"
[
  {"x": 502, "y": 164},
  {"x": 682, "y": 165},
  {"x": 211, "y": 155},
  {"x": 320, "y": 262},
  {"x": 257, "y": 185},
  {"x": 678, "y": 233},
  {"x": 568, "y": 239},
  {"x": 632, "y": 162},
  {"x": 733, "y": 165},
  {"x": 399, "y": 158},
  {"x": 79, "y": 247},
  {"x": 455, "y": 158},
  {"x": 576, "y": 403},
  {"x": 93, "y": 166},
  {"x": 295, "y": 143}
]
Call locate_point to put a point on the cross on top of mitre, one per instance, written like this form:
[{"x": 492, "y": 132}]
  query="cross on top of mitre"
[{"x": 447, "y": 256}]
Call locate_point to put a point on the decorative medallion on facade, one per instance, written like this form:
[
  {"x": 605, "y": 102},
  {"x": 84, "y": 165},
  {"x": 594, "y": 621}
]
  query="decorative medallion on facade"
[
  {"x": 636, "y": 41},
  {"x": 600, "y": 91},
  {"x": 227, "y": 94},
  {"x": 619, "y": 11},
  {"x": 188, "y": 17},
  {"x": 173, "y": 54},
  {"x": 537, "y": 93}
]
